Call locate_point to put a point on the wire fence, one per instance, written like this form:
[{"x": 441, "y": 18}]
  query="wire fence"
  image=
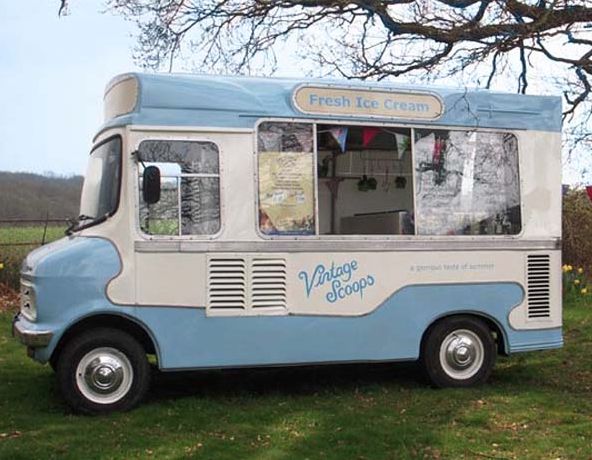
[
  {"x": 18, "y": 237},
  {"x": 30, "y": 232}
]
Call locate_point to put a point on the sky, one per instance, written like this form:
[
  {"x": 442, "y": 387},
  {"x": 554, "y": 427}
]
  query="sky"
[{"x": 53, "y": 72}]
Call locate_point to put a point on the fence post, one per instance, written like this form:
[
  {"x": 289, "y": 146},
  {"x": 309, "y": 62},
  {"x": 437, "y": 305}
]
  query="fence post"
[{"x": 45, "y": 228}]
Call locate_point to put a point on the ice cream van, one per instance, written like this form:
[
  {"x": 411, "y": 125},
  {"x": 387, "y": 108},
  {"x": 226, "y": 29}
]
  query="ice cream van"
[{"x": 231, "y": 222}]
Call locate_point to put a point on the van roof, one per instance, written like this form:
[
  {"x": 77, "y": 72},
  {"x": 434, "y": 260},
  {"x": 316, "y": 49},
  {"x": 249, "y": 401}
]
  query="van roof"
[{"x": 239, "y": 102}]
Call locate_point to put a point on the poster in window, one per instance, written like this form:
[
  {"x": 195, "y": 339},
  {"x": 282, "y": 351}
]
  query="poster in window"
[{"x": 286, "y": 198}]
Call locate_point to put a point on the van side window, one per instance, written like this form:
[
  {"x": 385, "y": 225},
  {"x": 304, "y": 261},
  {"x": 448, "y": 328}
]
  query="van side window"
[
  {"x": 365, "y": 180},
  {"x": 379, "y": 180},
  {"x": 466, "y": 183},
  {"x": 286, "y": 178},
  {"x": 190, "y": 188}
]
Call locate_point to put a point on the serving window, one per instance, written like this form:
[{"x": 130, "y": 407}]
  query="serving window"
[
  {"x": 386, "y": 181},
  {"x": 466, "y": 183}
]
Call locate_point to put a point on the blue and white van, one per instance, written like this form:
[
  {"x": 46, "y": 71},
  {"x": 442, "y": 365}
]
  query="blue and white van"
[{"x": 237, "y": 222}]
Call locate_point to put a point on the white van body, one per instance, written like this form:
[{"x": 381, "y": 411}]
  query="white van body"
[{"x": 309, "y": 222}]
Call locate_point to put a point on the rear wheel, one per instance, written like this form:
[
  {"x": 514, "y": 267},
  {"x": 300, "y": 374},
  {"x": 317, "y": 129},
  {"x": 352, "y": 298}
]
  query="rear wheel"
[
  {"x": 458, "y": 352},
  {"x": 103, "y": 370}
]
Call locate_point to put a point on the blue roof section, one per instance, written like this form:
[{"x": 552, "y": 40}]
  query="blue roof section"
[{"x": 239, "y": 102}]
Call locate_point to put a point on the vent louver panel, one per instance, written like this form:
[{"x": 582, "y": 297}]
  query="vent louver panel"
[
  {"x": 246, "y": 283},
  {"x": 268, "y": 283},
  {"x": 227, "y": 283},
  {"x": 538, "y": 284}
]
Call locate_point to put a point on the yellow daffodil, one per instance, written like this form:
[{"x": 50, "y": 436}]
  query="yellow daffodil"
[
  {"x": 580, "y": 270},
  {"x": 1, "y": 265},
  {"x": 584, "y": 291},
  {"x": 564, "y": 268},
  {"x": 576, "y": 282}
]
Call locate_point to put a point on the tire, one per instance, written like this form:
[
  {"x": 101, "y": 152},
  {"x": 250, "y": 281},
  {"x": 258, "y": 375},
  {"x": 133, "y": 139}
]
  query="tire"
[
  {"x": 103, "y": 370},
  {"x": 458, "y": 352}
]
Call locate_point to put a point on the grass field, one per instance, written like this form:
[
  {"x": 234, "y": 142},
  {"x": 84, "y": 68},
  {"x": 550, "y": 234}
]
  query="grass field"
[
  {"x": 12, "y": 256},
  {"x": 536, "y": 406}
]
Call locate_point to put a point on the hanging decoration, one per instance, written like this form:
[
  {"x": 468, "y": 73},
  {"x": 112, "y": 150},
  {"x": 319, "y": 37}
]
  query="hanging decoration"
[
  {"x": 438, "y": 160},
  {"x": 339, "y": 133},
  {"x": 369, "y": 133},
  {"x": 403, "y": 143}
]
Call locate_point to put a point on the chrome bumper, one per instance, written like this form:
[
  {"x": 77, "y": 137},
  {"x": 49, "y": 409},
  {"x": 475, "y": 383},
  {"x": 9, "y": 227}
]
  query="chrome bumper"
[{"x": 30, "y": 337}]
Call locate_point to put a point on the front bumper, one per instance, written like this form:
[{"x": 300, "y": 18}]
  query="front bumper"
[{"x": 34, "y": 338}]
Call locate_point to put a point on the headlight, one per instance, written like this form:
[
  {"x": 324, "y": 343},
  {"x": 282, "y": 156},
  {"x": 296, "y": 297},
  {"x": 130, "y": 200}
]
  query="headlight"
[{"x": 28, "y": 306}]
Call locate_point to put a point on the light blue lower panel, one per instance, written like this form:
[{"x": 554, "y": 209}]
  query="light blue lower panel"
[
  {"x": 70, "y": 277},
  {"x": 189, "y": 339}
]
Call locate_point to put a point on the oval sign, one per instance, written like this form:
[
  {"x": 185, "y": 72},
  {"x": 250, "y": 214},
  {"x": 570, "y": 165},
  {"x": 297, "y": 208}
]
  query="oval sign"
[{"x": 351, "y": 102}]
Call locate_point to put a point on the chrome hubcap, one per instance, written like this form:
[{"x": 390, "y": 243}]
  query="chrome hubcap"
[
  {"x": 104, "y": 375},
  {"x": 461, "y": 354}
]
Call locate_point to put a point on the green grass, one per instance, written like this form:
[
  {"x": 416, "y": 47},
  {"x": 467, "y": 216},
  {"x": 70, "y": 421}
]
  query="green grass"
[
  {"x": 12, "y": 256},
  {"x": 30, "y": 234},
  {"x": 536, "y": 406}
]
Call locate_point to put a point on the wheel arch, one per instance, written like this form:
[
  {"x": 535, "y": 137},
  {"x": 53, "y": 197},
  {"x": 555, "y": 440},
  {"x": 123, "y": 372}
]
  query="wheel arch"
[
  {"x": 118, "y": 321},
  {"x": 493, "y": 325}
]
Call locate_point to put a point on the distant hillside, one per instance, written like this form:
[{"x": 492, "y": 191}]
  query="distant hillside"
[{"x": 33, "y": 196}]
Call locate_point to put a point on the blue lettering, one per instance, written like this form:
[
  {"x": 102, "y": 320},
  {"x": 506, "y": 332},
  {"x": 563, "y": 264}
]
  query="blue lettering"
[
  {"x": 391, "y": 104},
  {"x": 339, "y": 277},
  {"x": 325, "y": 277},
  {"x": 366, "y": 103},
  {"x": 333, "y": 295},
  {"x": 310, "y": 283},
  {"x": 342, "y": 101}
]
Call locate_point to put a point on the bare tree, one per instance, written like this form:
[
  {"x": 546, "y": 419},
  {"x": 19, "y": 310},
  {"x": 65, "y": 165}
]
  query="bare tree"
[{"x": 377, "y": 39}]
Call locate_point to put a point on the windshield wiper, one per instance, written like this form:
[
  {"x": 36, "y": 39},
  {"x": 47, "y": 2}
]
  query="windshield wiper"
[{"x": 75, "y": 224}]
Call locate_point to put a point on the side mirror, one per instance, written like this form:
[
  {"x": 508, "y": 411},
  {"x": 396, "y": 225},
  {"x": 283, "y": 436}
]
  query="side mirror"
[{"x": 151, "y": 184}]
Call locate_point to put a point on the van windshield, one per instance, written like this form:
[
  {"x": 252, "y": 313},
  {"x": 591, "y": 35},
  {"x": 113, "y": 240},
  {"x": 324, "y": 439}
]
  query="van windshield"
[{"x": 100, "y": 193}]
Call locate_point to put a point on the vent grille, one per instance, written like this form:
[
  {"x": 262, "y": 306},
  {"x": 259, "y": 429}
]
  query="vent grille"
[
  {"x": 538, "y": 283},
  {"x": 227, "y": 283},
  {"x": 246, "y": 283},
  {"x": 268, "y": 283}
]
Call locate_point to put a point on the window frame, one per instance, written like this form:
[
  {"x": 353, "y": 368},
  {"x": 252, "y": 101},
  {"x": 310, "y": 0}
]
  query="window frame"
[
  {"x": 519, "y": 172},
  {"x": 99, "y": 144},
  {"x": 137, "y": 192},
  {"x": 374, "y": 123},
  {"x": 256, "y": 178}
]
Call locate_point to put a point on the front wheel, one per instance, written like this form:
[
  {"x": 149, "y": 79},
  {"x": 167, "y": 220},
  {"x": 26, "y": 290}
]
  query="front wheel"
[
  {"x": 103, "y": 370},
  {"x": 458, "y": 352}
]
